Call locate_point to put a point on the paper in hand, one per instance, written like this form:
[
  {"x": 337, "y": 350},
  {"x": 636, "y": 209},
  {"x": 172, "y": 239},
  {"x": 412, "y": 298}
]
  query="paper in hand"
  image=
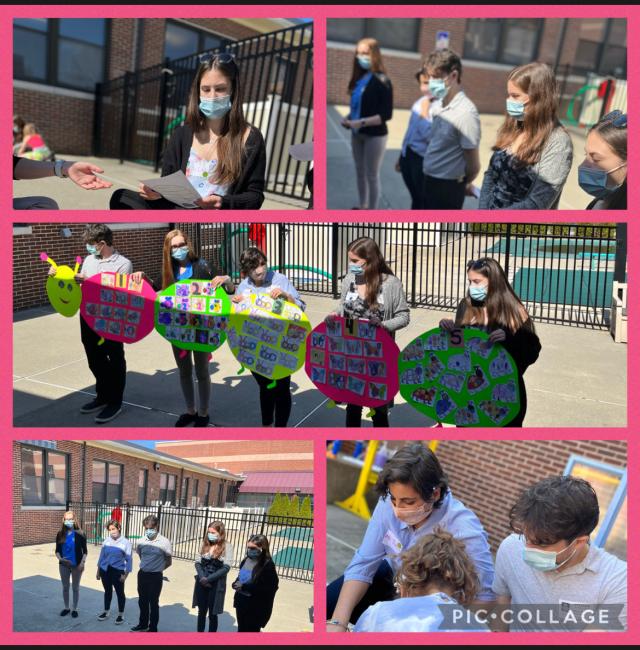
[{"x": 175, "y": 188}]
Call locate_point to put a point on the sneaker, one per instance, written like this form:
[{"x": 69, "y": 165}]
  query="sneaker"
[
  {"x": 139, "y": 628},
  {"x": 92, "y": 406},
  {"x": 74, "y": 614},
  {"x": 120, "y": 619},
  {"x": 150, "y": 630},
  {"x": 108, "y": 413},
  {"x": 64, "y": 612},
  {"x": 201, "y": 421},
  {"x": 104, "y": 616},
  {"x": 185, "y": 419}
]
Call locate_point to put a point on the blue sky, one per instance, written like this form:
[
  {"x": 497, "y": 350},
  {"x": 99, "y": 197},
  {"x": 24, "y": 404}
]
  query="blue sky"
[{"x": 151, "y": 444}]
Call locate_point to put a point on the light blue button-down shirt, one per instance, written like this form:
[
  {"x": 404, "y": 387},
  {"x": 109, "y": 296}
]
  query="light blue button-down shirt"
[
  {"x": 386, "y": 537},
  {"x": 418, "y": 131},
  {"x": 272, "y": 279}
]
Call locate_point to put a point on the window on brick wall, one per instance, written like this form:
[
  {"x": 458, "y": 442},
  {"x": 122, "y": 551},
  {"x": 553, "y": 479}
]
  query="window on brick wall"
[
  {"x": 66, "y": 52},
  {"x": 207, "y": 494},
  {"x": 106, "y": 483},
  {"x": 45, "y": 477},
  {"x": 181, "y": 40},
  {"x": 143, "y": 480},
  {"x": 602, "y": 46},
  {"x": 610, "y": 484},
  {"x": 194, "y": 494},
  {"x": 168, "y": 488},
  {"x": 184, "y": 493},
  {"x": 513, "y": 41},
  {"x": 392, "y": 33}
]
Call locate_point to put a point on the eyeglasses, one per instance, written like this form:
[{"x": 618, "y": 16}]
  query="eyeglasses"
[
  {"x": 617, "y": 118},
  {"x": 222, "y": 57}
]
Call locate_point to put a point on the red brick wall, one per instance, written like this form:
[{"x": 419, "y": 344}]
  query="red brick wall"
[
  {"x": 488, "y": 476},
  {"x": 485, "y": 86},
  {"x": 121, "y": 55},
  {"x": 39, "y": 526},
  {"x": 142, "y": 246},
  {"x": 271, "y": 454}
]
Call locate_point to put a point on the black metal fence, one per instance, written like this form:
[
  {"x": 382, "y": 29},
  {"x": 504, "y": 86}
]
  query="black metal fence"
[
  {"x": 562, "y": 272},
  {"x": 136, "y": 114},
  {"x": 290, "y": 538}
]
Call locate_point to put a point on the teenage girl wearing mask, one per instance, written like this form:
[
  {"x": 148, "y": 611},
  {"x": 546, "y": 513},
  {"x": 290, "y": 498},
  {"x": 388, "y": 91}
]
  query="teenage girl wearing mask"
[
  {"x": 71, "y": 551},
  {"x": 114, "y": 566},
  {"x": 255, "y": 586},
  {"x": 533, "y": 153},
  {"x": 371, "y": 291},
  {"x": 211, "y": 579},
  {"x": 492, "y": 305},
  {"x": 603, "y": 174},
  {"x": 371, "y": 108},
  {"x": 222, "y": 155}
]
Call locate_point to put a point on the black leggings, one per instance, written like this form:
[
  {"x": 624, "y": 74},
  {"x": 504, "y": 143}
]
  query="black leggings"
[
  {"x": 274, "y": 401},
  {"x": 110, "y": 581},
  {"x": 246, "y": 621},
  {"x": 202, "y": 619},
  {"x": 354, "y": 416}
]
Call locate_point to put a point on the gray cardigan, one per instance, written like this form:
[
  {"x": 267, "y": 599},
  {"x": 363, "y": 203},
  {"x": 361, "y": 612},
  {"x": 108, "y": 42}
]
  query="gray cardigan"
[
  {"x": 396, "y": 309},
  {"x": 550, "y": 175}
]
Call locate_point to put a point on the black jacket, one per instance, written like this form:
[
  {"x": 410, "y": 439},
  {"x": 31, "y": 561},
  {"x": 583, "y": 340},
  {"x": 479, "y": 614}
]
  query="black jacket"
[
  {"x": 215, "y": 571},
  {"x": 377, "y": 99},
  {"x": 80, "y": 546},
  {"x": 524, "y": 347},
  {"x": 262, "y": 590},
  {"x": 247, "y": 192}
]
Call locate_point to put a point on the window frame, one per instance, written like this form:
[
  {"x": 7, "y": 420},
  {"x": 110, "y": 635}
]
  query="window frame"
[
  {"x": 146, "y": 486},
  {"x": 409, "y": 49},
  {"x": 45, "y": 487},
  {"x": 52, "y": 41},
  {"x": 106, "y": 484},
  {"x": 501, "y": 39},
  {"x": 200, "y": 31},
  {"x": 617, "y": 500}
]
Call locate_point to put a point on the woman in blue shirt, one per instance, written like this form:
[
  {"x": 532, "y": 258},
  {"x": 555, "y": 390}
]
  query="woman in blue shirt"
[
  {"x": 414, "y": 500},
  {"x": 275, "y": 402},
  {"x": 71, "y": 551},
  {"x": 114, "y": 565}
]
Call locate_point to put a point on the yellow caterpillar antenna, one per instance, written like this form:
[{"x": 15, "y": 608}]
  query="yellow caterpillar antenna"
[{"x": 45, "y": 258}]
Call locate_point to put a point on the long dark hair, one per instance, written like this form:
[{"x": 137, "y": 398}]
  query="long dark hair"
[
  {"x": 616, "y": 138},
  {"x": 541, "y": 114},
  {"x": 62, "y": 533},
  {"x": 222, "y": 543},
  {"x": 504, "y": 308},
  {"x": 231, "y": 143},
  {"x": 261, "y": 542},
  {"x": 376, "y": 62},
  {"x": 375, "y": 266}
]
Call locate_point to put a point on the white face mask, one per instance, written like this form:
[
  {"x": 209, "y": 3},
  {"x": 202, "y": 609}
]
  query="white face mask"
[{"x": 415, "y": 516}]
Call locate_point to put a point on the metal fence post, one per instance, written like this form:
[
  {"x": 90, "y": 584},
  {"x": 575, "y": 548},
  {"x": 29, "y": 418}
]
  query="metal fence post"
[
  {"x": 620, "y": 268},
  {"x": 124, "y": 120},
  {"x": 608, "y": 90},
  {"x": 96, "y": 144},
  {"x": 334, "y": 259},
  {"x": 507, "y": 252},
  {"x": 96, "y": 525},
  {"x": 126, "y": 526},
  {"x": 414, "y": 265},
  {"x": 264, "y": 521},
  {"x": 163, "y": 113}
]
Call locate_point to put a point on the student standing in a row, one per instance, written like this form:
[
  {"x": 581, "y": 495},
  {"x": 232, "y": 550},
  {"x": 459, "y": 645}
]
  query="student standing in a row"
[
  {"x": 71, "y": 551},
  {"x": 114, "y": 566}
]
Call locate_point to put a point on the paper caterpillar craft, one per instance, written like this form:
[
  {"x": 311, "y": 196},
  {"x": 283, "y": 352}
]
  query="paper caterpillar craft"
[{"x": 63, "y": 291}]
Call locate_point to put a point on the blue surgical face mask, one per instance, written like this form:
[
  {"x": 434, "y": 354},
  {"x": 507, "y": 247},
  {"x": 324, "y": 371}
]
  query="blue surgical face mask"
[
  {"x": 213, "y": 538},
  {"x": 92, "y": 250},
  {"x": 544, "y": 560},
  {"x": 180, "y": 254},
  {"x": 253, "y": 553},
  {"x": 594, "y": 181},
  {"x": 150, "y": 533},
  {"x": 68, "y": 523},
  {"x": 216, "y": 108},
  {"x": 364, "y": 62},
  {"x": 438, "y": 88},
  {"x": 515, "y": 109},
  {"x": 356, "y": 269},
  {"x": 478, "y": 293}
]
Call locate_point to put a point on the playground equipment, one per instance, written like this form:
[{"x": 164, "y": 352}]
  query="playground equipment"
[{"x": 356, "y": 503}]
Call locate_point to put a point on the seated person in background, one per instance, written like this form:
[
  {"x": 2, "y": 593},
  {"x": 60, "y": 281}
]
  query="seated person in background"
[
  {"x": 435, "y": 571},
  {"x": 33, "y": 145}
]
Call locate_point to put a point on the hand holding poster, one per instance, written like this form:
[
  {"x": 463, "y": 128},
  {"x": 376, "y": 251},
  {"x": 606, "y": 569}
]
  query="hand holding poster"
[
  {"x": 63, "y": 291},
  {"x": 118, "y": 308},
  {"x": 268, "y": 335},
  {"x": 193, "y": 315},
  {"x": 353, "y": 361},
  {"x": 460, "y": 378}
]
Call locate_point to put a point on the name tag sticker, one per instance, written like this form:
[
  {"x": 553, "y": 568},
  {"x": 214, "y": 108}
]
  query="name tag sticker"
[{"x": 392, "y": 542}]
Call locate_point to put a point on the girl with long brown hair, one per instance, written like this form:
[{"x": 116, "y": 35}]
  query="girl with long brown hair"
[
  {"x": 492, "y": 305},
  {"x": 370, "y": 290},
  {"x": 71, "y": 552},
  {"x": 212, "y": 566},
  {"x": 180, "y": 262},
  {"x": 533, "y": 152},
  {"x": 222, "y": 155},
  {"x": 255, "y": 586},
  {"x": 371, "y": 106}
]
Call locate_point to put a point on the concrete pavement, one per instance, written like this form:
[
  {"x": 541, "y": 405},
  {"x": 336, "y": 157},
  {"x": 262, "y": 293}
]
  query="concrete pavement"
[
  {"x": 37, "y": 598},
  {"x": 342, "y": 191},
  {"x": 580, "y": 379},
  {"x": 126, "y": 175}
]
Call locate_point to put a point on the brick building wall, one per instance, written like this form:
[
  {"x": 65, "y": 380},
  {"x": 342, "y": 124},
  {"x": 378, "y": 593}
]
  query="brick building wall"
[
  {"x": 143, "y": 246},
  {"x": 242, "y": 456},
  {"x": 485, "y": 84},
  {"x": 488, "y": 476},
  {"x": 38, "y": 525}
]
